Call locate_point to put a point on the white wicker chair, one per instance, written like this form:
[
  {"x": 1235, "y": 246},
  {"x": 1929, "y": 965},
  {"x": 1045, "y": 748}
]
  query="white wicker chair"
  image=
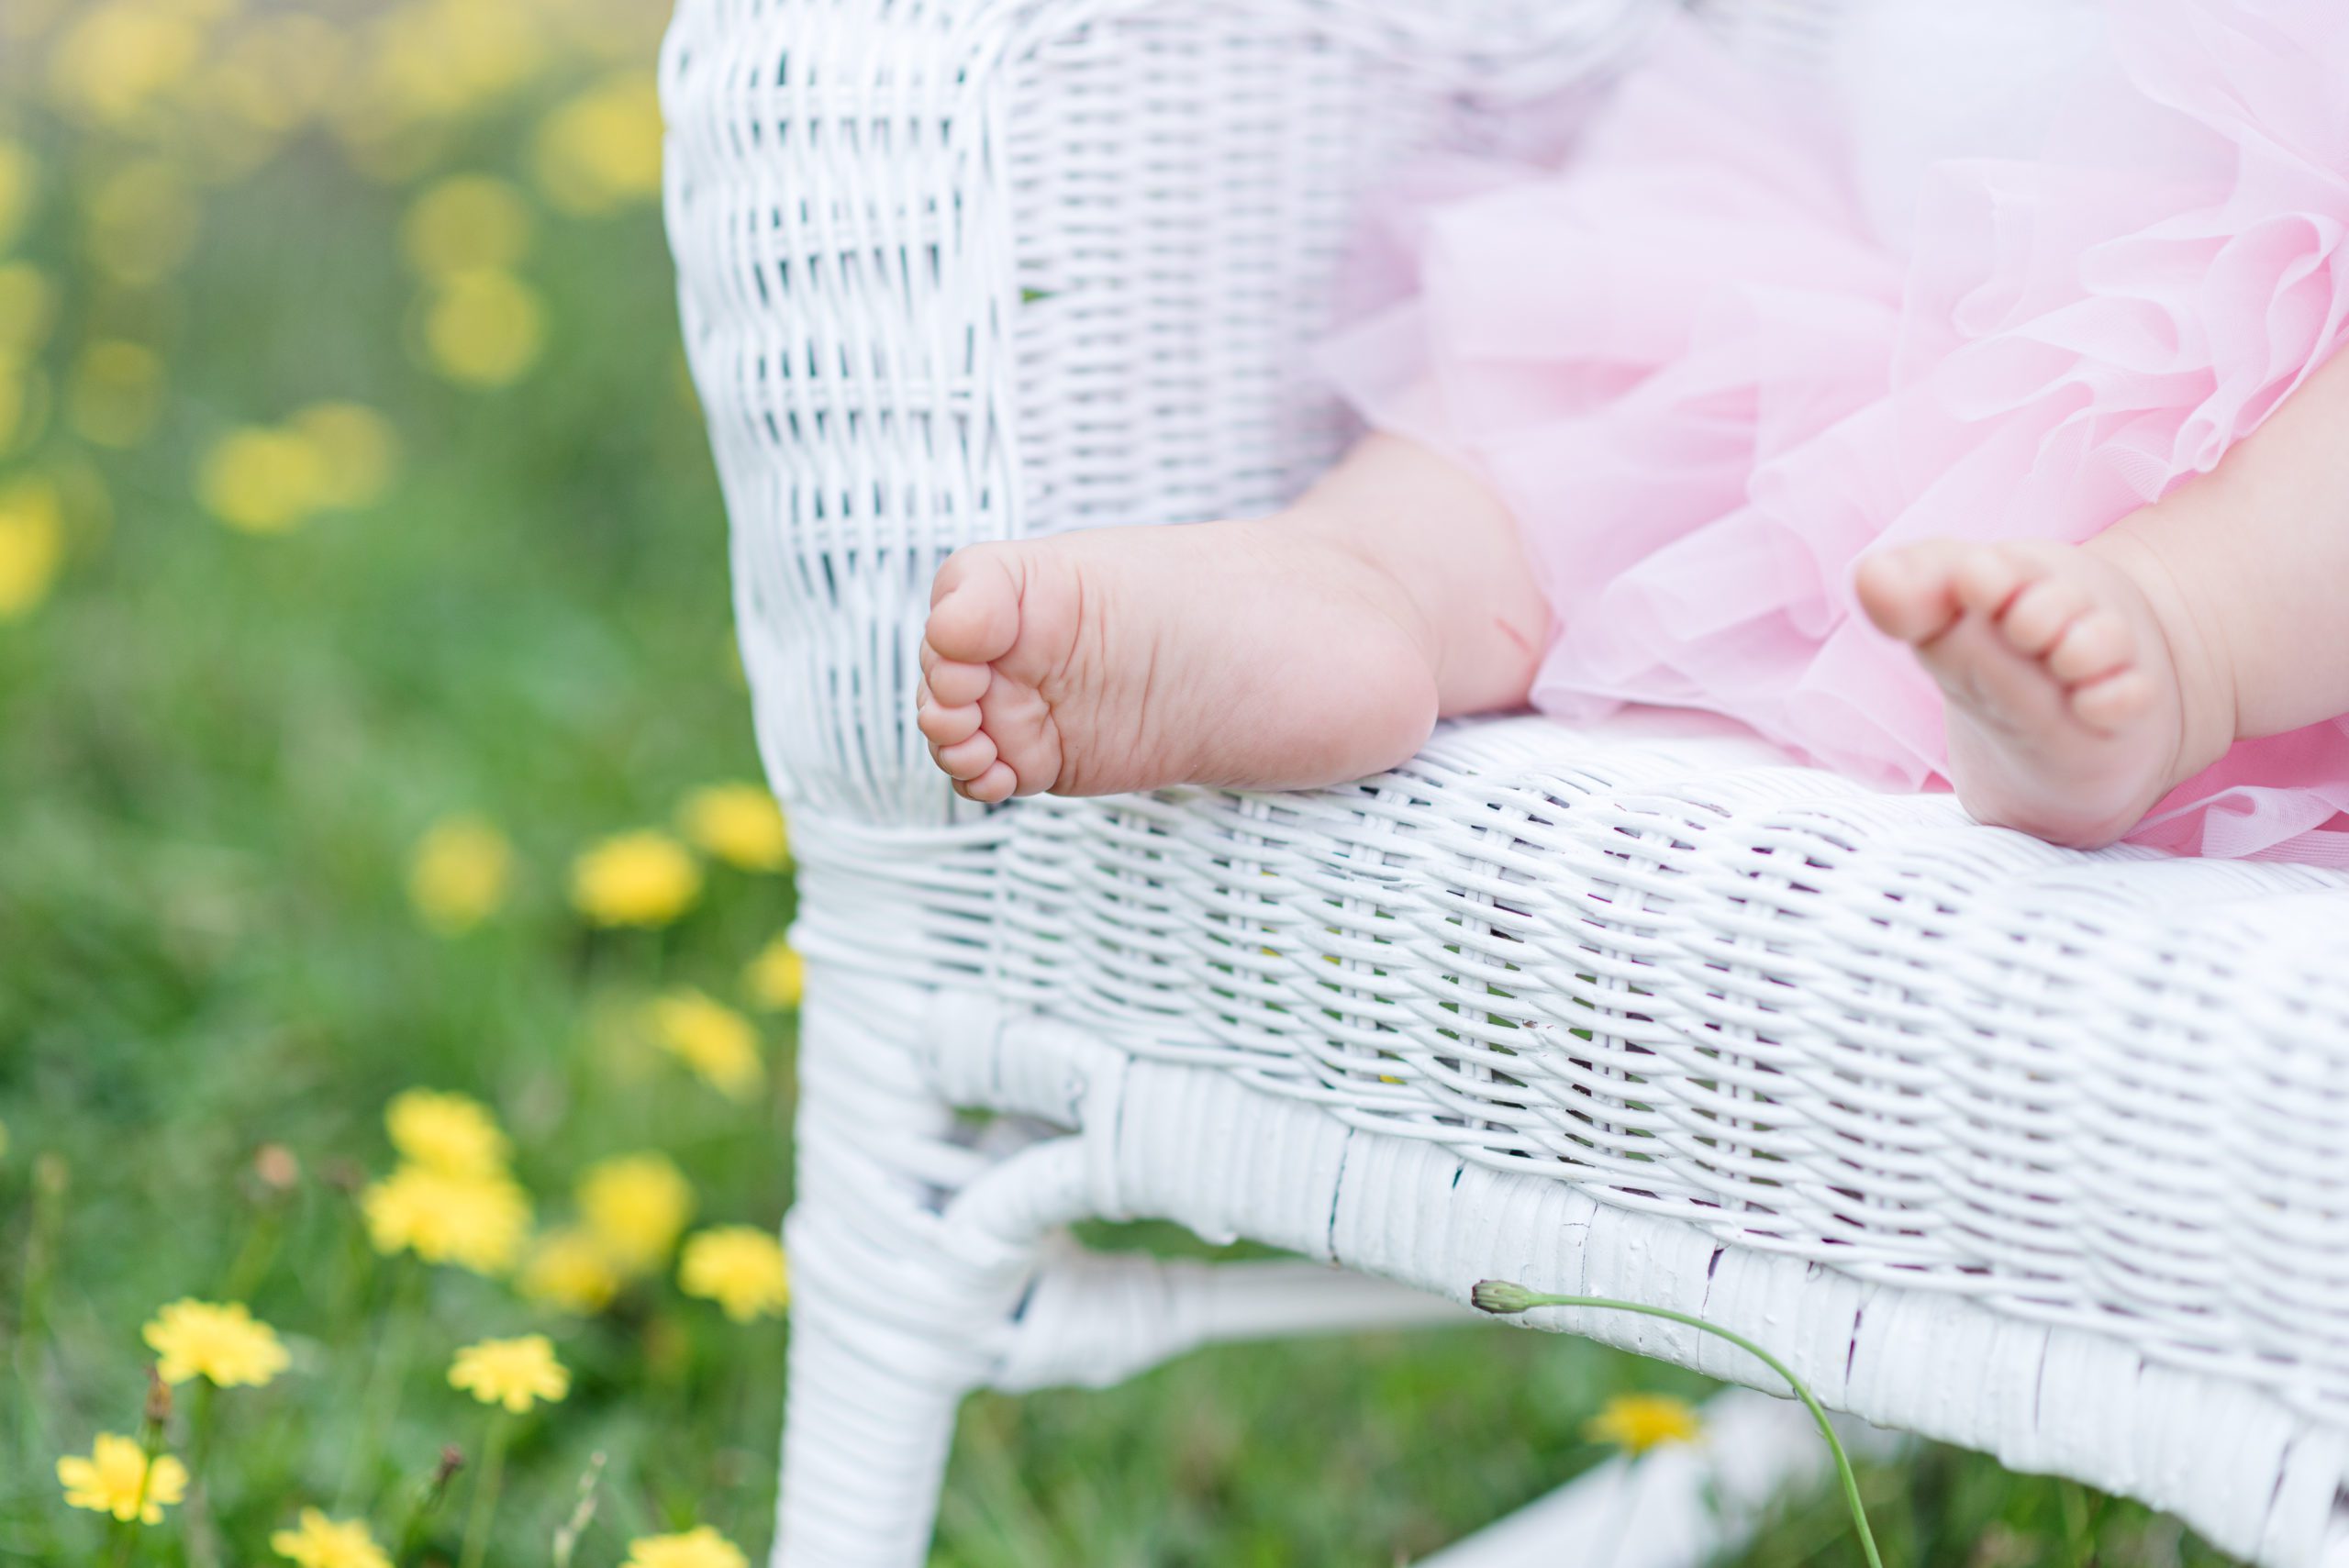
[{"x": 2042, "y": 1153}]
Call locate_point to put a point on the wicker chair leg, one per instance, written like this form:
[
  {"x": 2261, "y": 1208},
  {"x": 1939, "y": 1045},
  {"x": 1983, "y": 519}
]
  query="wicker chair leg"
[{"x": 891, "y": 1324}]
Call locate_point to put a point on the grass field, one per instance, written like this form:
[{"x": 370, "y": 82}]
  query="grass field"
[{"x": 253, "y": 655}]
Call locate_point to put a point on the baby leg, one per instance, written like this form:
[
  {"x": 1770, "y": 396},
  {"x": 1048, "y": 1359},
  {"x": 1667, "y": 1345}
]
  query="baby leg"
[
  {"x": 1306, "y": 648},
  {"x": 2085, "y": 682}
]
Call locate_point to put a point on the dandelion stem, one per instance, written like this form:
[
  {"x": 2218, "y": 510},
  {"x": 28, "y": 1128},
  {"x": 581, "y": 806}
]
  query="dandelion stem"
[
  {"x": 203, "y": 1542},
  {"x": 485, "y": 1488},
  {"x": 1502, "y": 1297}
]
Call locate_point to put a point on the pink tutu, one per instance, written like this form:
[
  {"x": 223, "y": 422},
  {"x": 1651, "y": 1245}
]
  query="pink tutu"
[{"x": 1707, "y": 379}]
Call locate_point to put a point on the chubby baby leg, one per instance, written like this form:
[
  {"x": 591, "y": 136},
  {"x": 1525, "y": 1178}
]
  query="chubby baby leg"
[
  {"x": 2085, "y": 682},
  {"x": 1312, "y": 646}
]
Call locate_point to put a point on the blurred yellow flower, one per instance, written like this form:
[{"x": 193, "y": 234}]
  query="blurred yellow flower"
[
  {"x": 516, "y": 1374},
  {"x": 262, "y": 480},
  {"x": 738, "y": 823},
  {"x": 453, "y": 1134},
  {"x": 718, "y": 1043},
  {"x": 740, "y": 1267},
  {"x": 19, "y": 181},
  {"x": 280, "y": 71},
  {"x": 777, "y": 978},
  {"x": 222, "y": 1342},
  {"x": 115, "y": 394},
  {"x": 436, "y": 58},
  {"x": 635, "y": 1206},
  {"x": 570, "y": 1270},
  {"x": 32, "y": 544},
  {"x": 476, "y": 1222},
  {"x": 318, "y": 1542},
  {"x": 602, "y": 149},
  {"x": 644, "y": 878},
  {"x": 484, "y": 327},
  {"x": 116, "y": 57},
  {"x": 464, "y": 224},
  {"x": 118, "y": 1479},
  {"x": 28, "y": 306},
  {"x": 358, "y": 451},
  {"x": 701, "y": 1546},
  {"x": 459, "y": 873},
  {"x": 1638, "y": 1422},
  {"x": 142, "y": 222}
]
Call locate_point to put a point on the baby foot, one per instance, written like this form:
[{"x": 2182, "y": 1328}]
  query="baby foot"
[
  {"x": 1264, "y": 654},
  {"x": 2066, "y": 713}
]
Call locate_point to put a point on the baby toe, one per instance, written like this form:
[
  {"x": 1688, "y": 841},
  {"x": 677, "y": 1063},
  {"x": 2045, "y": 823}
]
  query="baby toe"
[
  {"x": 965, "y": 759},
  {"x": 2040, "y": 614},
  {"x": 996, "y": 783},
  {"x": 2097, "y": 644},
  {"x": 975, "y": 605},
  {"x": 942, "y": 726},
  {"x": 954, "y": 684},
  {"x": 1984, "y": 578},
  {"x": 2114, "y": 701},
  {"x": 1907, "y": 592}
]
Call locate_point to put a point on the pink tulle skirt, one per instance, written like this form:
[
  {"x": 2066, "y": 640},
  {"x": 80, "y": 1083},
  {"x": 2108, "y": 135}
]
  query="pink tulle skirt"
[{"x": 1707, "y": 382}]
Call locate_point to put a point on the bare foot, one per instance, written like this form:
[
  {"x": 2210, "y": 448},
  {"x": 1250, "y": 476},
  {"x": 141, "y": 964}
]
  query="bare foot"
[
  {"x": 1265, "y": 655},
  {"x": 2067, "y": 714}
]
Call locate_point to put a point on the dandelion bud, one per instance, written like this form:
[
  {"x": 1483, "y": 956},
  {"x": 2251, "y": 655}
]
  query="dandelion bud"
[
  {"x": 158, "y": 1399},
  {"x": 1502, "y": 1296},
  {"x": 277, "y": 1166},
  {"x": 453, "y": 1459},
  {"x": 51, "y": 1176}
]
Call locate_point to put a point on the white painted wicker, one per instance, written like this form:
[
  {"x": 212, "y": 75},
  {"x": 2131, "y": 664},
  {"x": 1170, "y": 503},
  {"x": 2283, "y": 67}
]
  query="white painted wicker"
[{"x": 2043, "y": 1154}]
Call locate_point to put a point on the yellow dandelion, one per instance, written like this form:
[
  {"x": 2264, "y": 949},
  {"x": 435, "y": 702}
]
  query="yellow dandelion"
[
  {"x": 442, "y": 58},
  {"x": 358, "y": 451},
  {"x": 569, "y": 1269},
  {"x": 776, "y": 978},
  {"x": 19, "y": 183},
  {"x": 279, "y": 71},
  {"x": 466, "y": 223},
  {"x": 718, "y": 1043},
  {"x": 451, "y": 1133},
  {"x": 635, "y": 1206},
  {"x": 474, "y": 1222},
  {"x": 516, "y": 1374},
  {"x": 115, "y": 394},
  {"x": 740, "y": 1267},
  {"x": 119, "y": 1478},
  {"x": 602, "y": 149},
  {"x": 32, "y": 545},
  {"x": 459, "y": 874},
  {"x": 28, "y": 310},
  {"x": 484, "y": 327},
  {"x": 700, "y": 1547},
  {"x": 318, "y": 1542},
  {"x": 222, "y": 1342},
  {"x": 738, "y": 823},
  {"x": 142, "y": 222},
  {"x": 1638, "y": 1422},
  {"x": 634, "y": 879},
  {"x": 111, "y": 64},
  {"x": 262, "y": 480}
]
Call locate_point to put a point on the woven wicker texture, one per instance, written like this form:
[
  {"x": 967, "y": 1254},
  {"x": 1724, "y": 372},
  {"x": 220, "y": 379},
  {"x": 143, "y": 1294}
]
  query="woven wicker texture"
[{"x": 2043, "y": 1152}]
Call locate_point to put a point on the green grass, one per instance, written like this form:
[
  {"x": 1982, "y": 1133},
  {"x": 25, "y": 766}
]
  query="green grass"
[{"x": 216, "y": 751}]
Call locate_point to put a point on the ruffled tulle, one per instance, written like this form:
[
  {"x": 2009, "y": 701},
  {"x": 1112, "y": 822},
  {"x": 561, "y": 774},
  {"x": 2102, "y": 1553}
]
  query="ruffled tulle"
[{"x": 1707, "y": 382}]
